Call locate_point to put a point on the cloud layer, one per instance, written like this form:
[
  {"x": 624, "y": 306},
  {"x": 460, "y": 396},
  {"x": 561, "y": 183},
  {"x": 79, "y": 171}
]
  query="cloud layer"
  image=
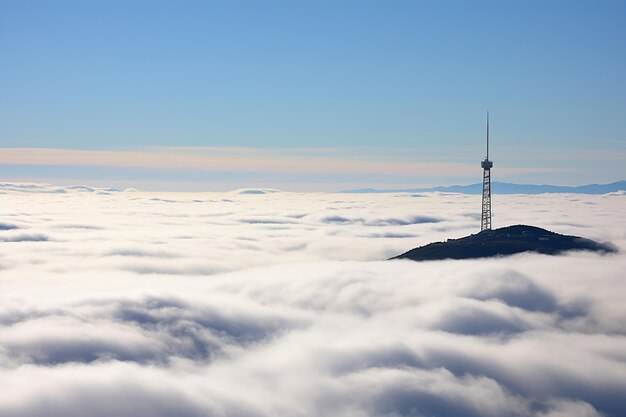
[{"x": 269, "y": 303}]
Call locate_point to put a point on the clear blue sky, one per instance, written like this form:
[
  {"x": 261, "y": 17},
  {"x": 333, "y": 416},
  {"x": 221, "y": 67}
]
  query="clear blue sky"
[{"x": 316, "y": 74}]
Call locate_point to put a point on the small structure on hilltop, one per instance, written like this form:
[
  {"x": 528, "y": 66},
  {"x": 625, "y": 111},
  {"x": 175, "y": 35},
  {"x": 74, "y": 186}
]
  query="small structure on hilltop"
[
  {"x": 504, "y": 241},
  {"x": 485, "y": 218}
]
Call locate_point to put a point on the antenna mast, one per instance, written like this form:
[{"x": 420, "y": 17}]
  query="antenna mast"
[{"x": 485, "y": 219}]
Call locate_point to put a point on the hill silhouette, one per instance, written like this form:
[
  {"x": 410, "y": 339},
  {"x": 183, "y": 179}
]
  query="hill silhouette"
[{"x": 505, "y": 241}]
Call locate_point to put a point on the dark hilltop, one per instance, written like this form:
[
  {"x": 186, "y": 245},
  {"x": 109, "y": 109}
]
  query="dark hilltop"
[{"x": 505, "y": 241}]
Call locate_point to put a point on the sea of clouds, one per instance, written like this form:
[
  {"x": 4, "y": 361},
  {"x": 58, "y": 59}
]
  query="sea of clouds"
[{"x": 264, "y": 303}]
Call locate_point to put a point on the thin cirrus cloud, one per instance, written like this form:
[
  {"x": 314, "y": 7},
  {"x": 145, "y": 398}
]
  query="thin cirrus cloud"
[
  {"x": 285, "y": 161},
  {"x": 296, "y": 169},
  {"x": 263, "y": 303}
]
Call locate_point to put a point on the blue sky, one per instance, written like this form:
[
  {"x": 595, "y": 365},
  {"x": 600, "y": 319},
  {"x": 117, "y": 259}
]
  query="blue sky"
[{"x": 348, "y": 79}]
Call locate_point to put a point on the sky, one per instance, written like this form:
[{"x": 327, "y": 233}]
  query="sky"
[
  {"x": 358, "y": 93},
  {"x": 259, "y": 303}
]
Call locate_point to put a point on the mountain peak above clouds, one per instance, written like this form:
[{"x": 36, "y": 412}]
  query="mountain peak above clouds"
[{"x": 505, "y": 241}]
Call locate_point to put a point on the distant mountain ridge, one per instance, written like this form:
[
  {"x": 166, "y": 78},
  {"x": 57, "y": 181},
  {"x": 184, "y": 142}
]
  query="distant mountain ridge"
[{"x": 508, "y": 188}]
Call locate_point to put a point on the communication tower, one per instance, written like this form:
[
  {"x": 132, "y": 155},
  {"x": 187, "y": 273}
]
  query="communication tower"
[{"x": 485, "y": 219}]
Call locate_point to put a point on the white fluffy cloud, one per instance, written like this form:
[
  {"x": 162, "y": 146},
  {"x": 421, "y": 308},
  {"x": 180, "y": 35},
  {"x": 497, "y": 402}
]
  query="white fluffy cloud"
[{"x": 269, "y": 303}]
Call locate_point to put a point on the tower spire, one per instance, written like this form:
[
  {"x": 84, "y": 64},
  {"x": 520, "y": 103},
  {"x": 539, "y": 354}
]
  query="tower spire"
[
  {"x": 487, "y": 134},
  {"x": 485, "y": 219}
]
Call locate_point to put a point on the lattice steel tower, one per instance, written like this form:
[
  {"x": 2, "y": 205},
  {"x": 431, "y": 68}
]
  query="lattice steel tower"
[{"x": 485, "y": 219}]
